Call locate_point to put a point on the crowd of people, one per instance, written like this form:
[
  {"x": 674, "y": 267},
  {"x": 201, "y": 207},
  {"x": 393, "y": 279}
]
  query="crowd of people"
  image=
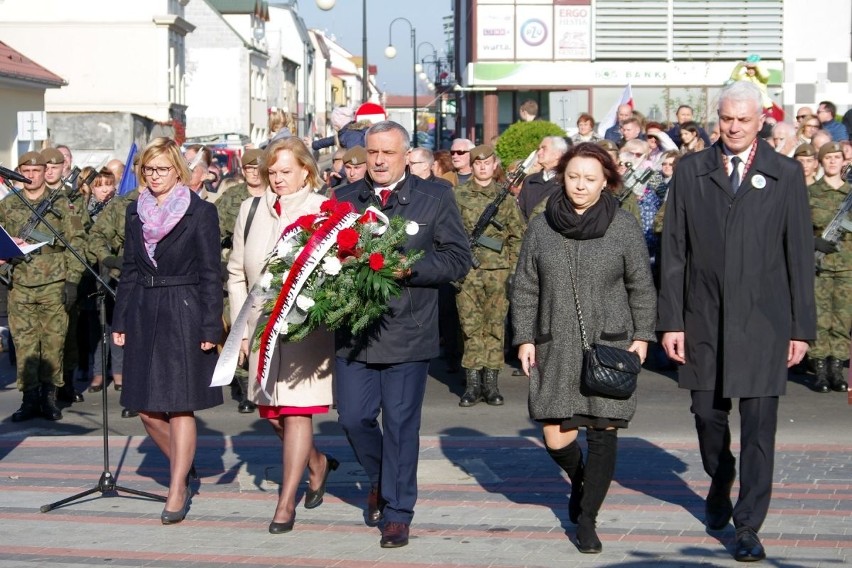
[{"x": 651, "y": 235}]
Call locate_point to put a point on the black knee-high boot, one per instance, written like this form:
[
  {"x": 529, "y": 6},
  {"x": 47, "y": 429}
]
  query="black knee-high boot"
[
  {"x": 570, "y": 459},
  {"x": 599, "y": 469}
]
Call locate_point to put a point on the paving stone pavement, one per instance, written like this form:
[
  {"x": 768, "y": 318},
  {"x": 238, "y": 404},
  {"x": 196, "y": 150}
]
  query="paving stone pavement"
[{"x": 483, "y": 502}]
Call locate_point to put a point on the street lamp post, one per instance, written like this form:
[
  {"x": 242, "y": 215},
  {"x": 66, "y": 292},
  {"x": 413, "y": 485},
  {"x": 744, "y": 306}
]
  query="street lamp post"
[
  {"x": 390, "y": 53},
  {"x": 326, "y": 5},
  {"x": 431, "y": 86}
]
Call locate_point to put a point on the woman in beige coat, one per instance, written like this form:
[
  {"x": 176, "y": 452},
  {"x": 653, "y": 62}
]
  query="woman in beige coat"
[{"x": 301, "y": 371}]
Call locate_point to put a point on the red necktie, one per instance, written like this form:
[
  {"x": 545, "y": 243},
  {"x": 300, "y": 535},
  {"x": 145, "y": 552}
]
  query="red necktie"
[
  {"x": 277, "y": 206},
  {"x": 384, "y": 195}
]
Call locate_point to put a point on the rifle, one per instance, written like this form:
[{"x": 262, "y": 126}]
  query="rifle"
[
  {"x": 488, "y": 216},
  {"x": 28, "y": 231},
  {"x": 839, "y": 224},
  {"x": 633, "y": 178}
]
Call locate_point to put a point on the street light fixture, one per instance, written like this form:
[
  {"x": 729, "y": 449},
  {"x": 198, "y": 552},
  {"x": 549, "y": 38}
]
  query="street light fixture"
[
  {"x": 390, "y": 53},
  {"x": 326, "y": 5}
]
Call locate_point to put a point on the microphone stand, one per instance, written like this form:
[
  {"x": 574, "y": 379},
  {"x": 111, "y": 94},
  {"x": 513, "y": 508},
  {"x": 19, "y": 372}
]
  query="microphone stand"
[{"x": 107, "y": 483}]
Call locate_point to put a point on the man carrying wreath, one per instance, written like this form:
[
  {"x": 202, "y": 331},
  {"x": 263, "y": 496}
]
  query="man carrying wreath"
[{"x": 385, "y": 367}]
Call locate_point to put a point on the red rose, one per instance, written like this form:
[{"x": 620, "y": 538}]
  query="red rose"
[
  {"x": 306, "y": 222},
  {"x": 377, "y": 261},
  {"x": 344, "y": 207},
  {"x": 328, "y": 206},
  {"x": 347, "y": 239}
]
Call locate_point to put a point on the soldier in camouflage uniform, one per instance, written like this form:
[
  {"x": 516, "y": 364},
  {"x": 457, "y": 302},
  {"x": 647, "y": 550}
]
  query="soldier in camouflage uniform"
[
  {"x": 228, "y": 206},
  {"x": 106, "y": 247},
  {"x": 55, "y": 167},
  {"x": 833, "y": 287},
  {"x": 482, "y": 300},
  {"x": 43, "y": 290}
]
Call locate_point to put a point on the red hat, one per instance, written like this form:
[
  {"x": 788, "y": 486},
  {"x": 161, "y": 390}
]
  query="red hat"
[{"x": 370, "y": 112}]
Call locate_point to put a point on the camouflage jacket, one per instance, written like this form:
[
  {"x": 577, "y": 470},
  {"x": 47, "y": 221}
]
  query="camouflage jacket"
[
  {"x": 106, "y": 237},
  {"x": 228, "y": 206},
  {"x": 472, "y": 200},
  {"x": 825, "y": 202},
  {"x": 52, "y": 262}
]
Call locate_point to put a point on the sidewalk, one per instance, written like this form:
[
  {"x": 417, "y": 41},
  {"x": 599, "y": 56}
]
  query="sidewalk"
[{"x": 494, "y": 502}]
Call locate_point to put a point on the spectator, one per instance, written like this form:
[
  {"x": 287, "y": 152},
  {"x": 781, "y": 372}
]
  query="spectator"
[
  {"x": 542, "y": 184},
  {"x": 685, "y": 114},
  {"x": 690, "y": 136},
  {"x": 640, "y": 198},
  {"x": 713, "y": 127},
  {"x": 802, "y": 114},
  {"x": 846, "y": 146},
  {"x": 460, "y": 153},
  {"x": 613, "y": 133},
  {"x": 420, "y": 162},
  {"x": 826, "y": 113},
  {"x": 528, "y": 111},
  {"x": 807, "y": 128},
  {"x": 784, "y": 139},
  {"x": 659, "y": 142},
  {"x": 631, "y": 129},
  {"x": 443, "y": 166},
  {"x": 820, "y": 138},
  {"x": 585, "y": 129}
]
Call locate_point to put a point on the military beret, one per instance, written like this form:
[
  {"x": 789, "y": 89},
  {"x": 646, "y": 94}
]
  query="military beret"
[
  {"x": 251, "y": 157},
  {"x": 608, "y": 145},
  {"x": 481, "y": 152},
  {"x": 355, "y": 156},
  {"x": 829, "y": 148},
  {"x": 52, "y": 156},
  {"x": 31, "y": 159},
  {"x": 804, "y": 150}
]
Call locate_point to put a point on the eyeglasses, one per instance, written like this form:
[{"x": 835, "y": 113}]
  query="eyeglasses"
[
  {"x": 161, "y": 171},
  {"x": 635, "y": 154},
  {"x": 802, "y": 116},
  {"x": 459, "y": 152}
]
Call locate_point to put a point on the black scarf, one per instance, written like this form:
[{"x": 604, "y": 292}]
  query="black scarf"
[{"x": 592, "y": 224}]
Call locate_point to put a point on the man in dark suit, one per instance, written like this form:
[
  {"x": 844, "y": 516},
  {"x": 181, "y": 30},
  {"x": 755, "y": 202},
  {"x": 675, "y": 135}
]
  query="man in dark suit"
[
  {"x": 737, "y": 302},
  {"x": 385, "y": 367}
]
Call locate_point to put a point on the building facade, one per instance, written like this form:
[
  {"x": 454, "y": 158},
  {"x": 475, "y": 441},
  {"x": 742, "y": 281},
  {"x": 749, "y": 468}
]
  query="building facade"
[{"x": 575, "y": 56}]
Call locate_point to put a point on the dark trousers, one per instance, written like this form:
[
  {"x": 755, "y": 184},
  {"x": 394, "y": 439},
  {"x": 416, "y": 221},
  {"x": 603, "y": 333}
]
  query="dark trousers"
[
  {"x": 758, "y": 422},
  {"x": 388, "y": 454}
]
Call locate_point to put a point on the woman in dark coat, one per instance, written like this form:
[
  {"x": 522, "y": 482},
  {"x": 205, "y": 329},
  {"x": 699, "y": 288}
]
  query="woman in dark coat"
[
  {"x": 168, "y": 312},
  {"x": 583, "y": 234}
]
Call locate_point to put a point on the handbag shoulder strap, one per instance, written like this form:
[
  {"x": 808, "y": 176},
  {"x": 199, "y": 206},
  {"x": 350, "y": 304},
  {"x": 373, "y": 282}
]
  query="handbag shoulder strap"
[
  {"x": 576, "y": 298},
  {"x": 250, "y": 217}
]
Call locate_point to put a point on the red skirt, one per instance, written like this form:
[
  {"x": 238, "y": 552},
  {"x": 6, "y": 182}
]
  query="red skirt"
[{"x": 278, "y": 411}]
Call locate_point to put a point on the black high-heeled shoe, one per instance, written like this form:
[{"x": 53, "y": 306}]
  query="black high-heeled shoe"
[
  {"x": 280, "y": 528},
  {"x": 313, "y": 499}
]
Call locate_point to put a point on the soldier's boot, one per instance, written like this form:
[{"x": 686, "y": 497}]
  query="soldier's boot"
[
  {"x": 835, "y": 375},
  {"x": 67, "y": 392},
  {"x": 473, "y": 388},
  {"x": 820, "y": 375},
  {"x": 246, "y": 406},
  {"x": 30, "y": 407},
  {"x": 49, "y": 410},
  {"x": 491, "y": 392}
]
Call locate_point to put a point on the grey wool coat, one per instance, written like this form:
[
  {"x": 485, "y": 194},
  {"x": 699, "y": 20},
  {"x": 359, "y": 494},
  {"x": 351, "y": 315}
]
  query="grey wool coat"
[{"x": 617, "y": 298}]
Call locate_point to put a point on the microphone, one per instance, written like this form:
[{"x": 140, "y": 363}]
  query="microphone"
[{"x": 13, "y": 175}]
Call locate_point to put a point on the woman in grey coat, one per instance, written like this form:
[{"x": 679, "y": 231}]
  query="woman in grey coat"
[{"x": 583, "y": 232}]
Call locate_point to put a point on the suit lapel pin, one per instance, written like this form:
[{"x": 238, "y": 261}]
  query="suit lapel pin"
[{"x": 758, "y": 182}]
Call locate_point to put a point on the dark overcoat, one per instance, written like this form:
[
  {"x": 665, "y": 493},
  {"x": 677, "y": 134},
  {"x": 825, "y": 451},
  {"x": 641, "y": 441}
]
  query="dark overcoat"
[
  {"x": 409, "y": 331},
  {"x": 737, "y": 271},
  {"x": 167, "y": 310}
]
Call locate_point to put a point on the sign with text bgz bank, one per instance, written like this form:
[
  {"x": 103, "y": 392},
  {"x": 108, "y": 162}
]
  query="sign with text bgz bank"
[{"x": 533, "y": 29}]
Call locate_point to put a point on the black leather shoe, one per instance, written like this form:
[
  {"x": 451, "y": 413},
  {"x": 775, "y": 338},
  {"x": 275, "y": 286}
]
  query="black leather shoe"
[
  {"x": 127, "y": 413},
  {"x": 374, "y": 512},
  {"x": 246, "y": 407},
  {"x": 394, "y": 535},
  {"x": 718, "y": 507},
  {"x": 749, "y": 548},
  {"x": 313, "y": 499},
  {"x": 96, "y": 388},
  {"x": 49, "y": 410},
  {"x": 281, "y": 528},
  {"x": 30, "y": 407}
]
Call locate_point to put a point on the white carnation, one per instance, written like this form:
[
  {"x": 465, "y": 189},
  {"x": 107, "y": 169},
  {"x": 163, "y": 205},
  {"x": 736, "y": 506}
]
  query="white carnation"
[
  {"x": 284, "y": 248},
  {"x": 304, "y": 303},
  {"x": 266, "y": 280},
  {"x": 331, "y": 265}
]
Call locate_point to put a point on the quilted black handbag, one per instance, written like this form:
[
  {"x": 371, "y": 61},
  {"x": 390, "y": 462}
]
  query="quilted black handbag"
[{"x": 607, "y": 371}]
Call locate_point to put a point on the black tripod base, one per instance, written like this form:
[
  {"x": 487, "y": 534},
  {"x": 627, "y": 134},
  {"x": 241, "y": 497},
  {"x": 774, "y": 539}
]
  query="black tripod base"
[{"x": 106, "y": 484}]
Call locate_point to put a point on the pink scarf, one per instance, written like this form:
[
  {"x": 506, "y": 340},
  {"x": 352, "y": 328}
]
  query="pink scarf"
[{"x": 159, "y": 220}]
